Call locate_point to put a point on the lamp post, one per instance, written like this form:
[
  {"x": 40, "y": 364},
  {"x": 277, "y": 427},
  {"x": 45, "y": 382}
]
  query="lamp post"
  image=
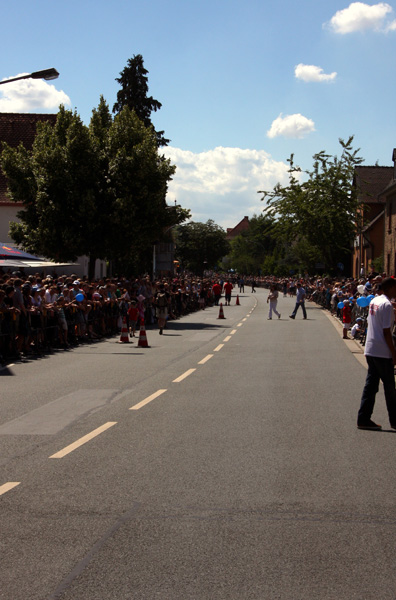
[{"x": 47, "y": 74}]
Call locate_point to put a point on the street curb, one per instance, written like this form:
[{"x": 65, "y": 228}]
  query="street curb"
[{"x": 353, "y": 346}]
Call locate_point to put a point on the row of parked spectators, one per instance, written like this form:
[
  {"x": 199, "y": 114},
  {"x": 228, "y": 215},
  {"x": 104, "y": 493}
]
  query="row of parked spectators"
[{"x": 40, "y": 313}]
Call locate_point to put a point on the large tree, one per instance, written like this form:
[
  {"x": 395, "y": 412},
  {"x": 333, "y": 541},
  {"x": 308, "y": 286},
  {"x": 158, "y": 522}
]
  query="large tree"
[
  {"x": 56, "y": 184},
  {"x": 134, "y": 94},
  {"x": 317, "y": 217},
  {"x": 200, "y": 246},
  {"x": 97, "y": 190}
]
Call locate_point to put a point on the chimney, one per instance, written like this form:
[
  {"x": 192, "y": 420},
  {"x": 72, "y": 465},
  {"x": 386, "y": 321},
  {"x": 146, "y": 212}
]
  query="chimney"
[{"x": 394, "y": 163}]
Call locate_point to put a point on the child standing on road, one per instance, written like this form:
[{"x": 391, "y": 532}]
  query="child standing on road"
[
  {"x": 133, "y": 314},
  {"x": 346, "y": 319}
]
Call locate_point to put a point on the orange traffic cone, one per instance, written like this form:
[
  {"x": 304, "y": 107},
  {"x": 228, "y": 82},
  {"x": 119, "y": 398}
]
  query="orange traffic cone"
[
  {"x": 237, "y": 303},
  {"x": 142, "y": 336},
  {"x": 124, "y": 339},
  {"x": 221, "y": 314}
]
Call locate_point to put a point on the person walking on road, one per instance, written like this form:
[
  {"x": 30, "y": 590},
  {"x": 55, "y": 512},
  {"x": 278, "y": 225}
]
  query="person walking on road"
[
  {"x": 227, "y": 292},
  {"x": 300, "y": 301},
  {"x": 380, "y": 355},
  {"x": 273, "y": 301}
]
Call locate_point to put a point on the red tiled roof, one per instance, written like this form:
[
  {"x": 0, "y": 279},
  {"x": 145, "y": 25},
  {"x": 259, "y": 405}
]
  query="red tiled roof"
[
  {"x": 14, "y": 129},
  {"x": 371, "y": 181},
  {"x": 242, "y": 226}
]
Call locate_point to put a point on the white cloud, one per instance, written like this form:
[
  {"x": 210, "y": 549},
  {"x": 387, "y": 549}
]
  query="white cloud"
[
  {"x": 291, "y": 126},
  {"x": 360, "y": 17},
  {"x": 222, "y": 184},
  {"x": 312, "y": 73},
  {"x": 29, "y": 95},
  {"x": 391, "y": 26}
]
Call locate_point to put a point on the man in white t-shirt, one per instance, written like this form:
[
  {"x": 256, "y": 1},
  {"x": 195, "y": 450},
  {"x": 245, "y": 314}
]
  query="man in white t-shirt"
[{"x": 380, "y": 355}]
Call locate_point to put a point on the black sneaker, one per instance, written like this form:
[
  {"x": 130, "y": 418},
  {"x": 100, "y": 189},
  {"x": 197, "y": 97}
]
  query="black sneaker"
[
  {"x": 291, "y": 317},
  {"x": 393, "y": 426},
  {"x": 369, "y": 425}
]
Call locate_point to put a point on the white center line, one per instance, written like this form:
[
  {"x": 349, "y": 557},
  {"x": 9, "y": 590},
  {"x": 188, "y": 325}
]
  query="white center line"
[
  {"x": 83, "y": 440},
  {"x": 6, "y": 487},
  {"x": 204, "y": 360},
  {"x": 148, "y": 399},
  {"x": 219, "y": 347},
  {"x": 227, "y": 339},
  {"x": 186, "y": 374},
  {"x": 239, "y": 324},
  {"x": 233, "y": 331}
]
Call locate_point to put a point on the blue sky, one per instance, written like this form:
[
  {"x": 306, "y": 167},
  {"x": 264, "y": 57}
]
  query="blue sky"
[{"x": 243, "y": 84}]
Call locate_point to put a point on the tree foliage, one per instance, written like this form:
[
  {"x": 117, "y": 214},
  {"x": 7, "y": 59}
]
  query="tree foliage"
[
  {"x": 200, "y": 246},
  {"x": 97, "y": 191},
  {"x": 251, "y": 248},
  {"x": 317, "y": 217},
  {"x": 134, "y": 94}
]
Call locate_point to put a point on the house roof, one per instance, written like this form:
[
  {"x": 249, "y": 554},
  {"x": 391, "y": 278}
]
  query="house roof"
[
  {"x": 374, "y": 221},
  {"x": 14, "y": 129},
  {"x": 371, "y": 181},
  {"x": 238, "y": 229}
]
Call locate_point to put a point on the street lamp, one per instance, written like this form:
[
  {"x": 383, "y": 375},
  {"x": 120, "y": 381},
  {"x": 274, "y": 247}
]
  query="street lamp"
[{"x": 47, "y": 74}]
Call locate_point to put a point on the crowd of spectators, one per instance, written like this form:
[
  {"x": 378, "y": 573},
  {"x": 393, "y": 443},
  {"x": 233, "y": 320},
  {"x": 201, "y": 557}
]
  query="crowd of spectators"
[
  {"x": 346, "y": 298},
  {"x": 40, "y": 313}
]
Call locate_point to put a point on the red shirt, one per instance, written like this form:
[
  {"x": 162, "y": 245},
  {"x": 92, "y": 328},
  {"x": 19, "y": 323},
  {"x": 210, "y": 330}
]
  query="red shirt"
[
  {"x": 217, "y": 289},
  {"x": 228, "y": 287},
  {"x": 346, "y": 314},
  {"x": 133, "y": 313}
]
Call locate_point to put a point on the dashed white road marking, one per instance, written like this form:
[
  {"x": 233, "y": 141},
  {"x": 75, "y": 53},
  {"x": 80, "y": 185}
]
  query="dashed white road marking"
[
  {"x": 186, "y": 374},
  {"x": 204, "y": 360},
  {"x": 219, "y": 347},
  {"x": 6, "y": 487},
  {"x": 83, "y": 440},
  {"x": 147, "y": 400},
  {"x": 227, "y": 339}
]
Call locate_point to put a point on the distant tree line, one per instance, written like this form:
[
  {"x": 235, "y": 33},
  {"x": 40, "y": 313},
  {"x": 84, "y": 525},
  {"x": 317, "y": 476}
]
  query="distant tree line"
[{"x": 308, "y": 224}]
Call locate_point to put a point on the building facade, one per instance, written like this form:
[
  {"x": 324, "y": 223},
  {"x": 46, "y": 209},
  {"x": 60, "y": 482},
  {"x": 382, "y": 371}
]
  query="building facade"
[{"x": 369, "y": 183}]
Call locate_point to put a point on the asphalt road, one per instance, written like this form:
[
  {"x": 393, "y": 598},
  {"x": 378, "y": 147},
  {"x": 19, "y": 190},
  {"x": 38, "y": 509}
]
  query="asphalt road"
[{"x": 223, "y": 462}]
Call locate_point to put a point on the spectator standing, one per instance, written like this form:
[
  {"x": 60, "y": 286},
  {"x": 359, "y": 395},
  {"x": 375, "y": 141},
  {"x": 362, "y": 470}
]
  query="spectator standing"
[
  {"x": 346, "y": 319},
  {"x": 161, "y": 301},
  {"x": 133, "y": 314},
  {"x": 380, "y": 355},
  {"x": 216, "y": 289}
]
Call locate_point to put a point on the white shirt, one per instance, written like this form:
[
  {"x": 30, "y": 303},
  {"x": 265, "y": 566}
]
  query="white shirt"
[{"x": 381, "y": 316}]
